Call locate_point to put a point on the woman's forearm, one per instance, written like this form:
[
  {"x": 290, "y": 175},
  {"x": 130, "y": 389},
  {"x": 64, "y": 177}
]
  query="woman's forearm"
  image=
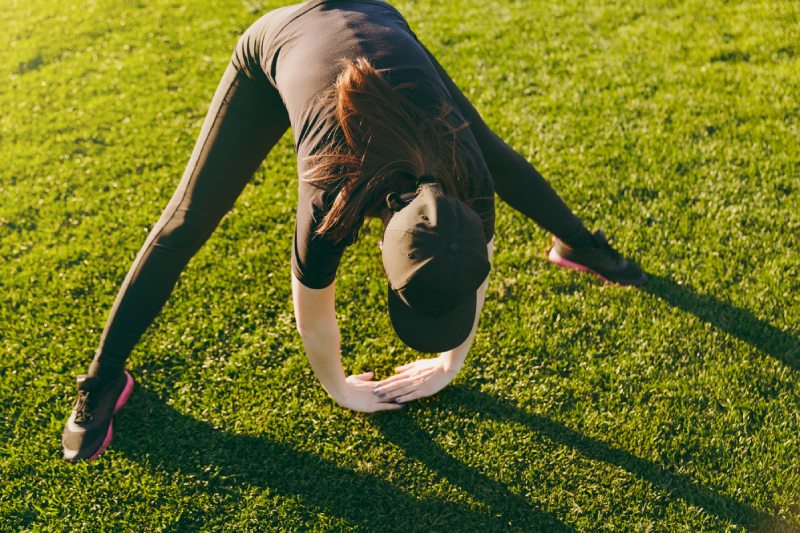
[
  {"x": 315, "y": 316},
  {"x": 453, "y": 359},
  {"x": 322, "y": 349},
  {"x": 316, "y": 321}
]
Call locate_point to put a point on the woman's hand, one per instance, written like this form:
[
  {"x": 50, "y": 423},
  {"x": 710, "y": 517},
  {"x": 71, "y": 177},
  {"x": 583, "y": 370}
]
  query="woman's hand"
[
  {"x": 358, "y": 395},
  {"x": 421, "y": 378}
]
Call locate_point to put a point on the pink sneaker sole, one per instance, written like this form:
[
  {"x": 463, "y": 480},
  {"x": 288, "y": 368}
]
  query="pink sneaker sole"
[
  {"x": 555, "y": 258},
  {"x": 126, "y": 393}
]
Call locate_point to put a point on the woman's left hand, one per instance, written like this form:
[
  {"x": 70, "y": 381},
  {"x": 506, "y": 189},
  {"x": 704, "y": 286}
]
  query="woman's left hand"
[{"x": 413, "y": 381}]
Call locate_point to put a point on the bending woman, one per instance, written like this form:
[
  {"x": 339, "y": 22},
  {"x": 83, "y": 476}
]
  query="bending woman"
[{"x": 380, "y": 130}]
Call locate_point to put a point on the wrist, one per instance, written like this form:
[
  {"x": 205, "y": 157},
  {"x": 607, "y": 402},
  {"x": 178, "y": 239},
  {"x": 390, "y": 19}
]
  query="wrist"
[
  {"x": 450, "y": 365},
  {"x": 337, "y": 389}
]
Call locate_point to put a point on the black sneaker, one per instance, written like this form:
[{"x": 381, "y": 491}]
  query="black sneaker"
[
  {"x": 89, "y": 428},
  {"x": 601, "y": 260}
]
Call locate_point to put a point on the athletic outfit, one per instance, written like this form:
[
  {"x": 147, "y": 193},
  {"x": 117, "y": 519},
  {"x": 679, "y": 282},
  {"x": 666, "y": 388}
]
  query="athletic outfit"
[{"x": 280, "y": 67}]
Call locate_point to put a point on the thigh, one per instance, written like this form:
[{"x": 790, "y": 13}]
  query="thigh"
[{"x": 245, "y": 120}]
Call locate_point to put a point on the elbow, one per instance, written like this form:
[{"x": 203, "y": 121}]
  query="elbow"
[
  {"x": 304, "y": 330},
  {"x": 316, "y": 331}
]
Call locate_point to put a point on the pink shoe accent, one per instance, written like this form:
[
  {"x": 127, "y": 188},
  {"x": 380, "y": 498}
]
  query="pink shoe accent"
[
  {"x": 123, "y": 397},
  {"x": 106, "y": 442},
  {"x": 555, "y": 258}
]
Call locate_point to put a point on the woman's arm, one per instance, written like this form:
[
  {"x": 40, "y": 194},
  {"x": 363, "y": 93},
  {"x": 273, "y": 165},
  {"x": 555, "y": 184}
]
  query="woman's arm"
[
  {"x": 426, "y": 377},
  {"x": 315, "y": 318},
  {"x": 453, "y": 359},
  {"x": 315, "y": 315}
]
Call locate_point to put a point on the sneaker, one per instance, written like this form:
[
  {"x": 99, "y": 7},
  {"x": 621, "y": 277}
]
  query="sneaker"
[
  {"x": 601, "y": 260},
  {"x": 89, "y": 428}
]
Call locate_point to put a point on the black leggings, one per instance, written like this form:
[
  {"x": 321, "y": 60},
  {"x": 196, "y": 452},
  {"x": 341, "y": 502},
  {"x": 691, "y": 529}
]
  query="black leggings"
[{"x": 245, "y": 120}]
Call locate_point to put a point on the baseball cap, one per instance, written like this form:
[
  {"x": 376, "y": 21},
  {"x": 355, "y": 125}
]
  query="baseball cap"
[{"x": 435, "y": 259}]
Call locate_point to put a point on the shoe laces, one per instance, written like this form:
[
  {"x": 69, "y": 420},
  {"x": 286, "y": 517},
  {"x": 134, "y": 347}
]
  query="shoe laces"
[
  {"x": 82, "y": 407},
  {"x": 83, "y": 404}
]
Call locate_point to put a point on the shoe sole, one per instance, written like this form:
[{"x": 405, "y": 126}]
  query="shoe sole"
[
  {"x": 555, "y": 258},
  {"x": 123, "y": 397}
]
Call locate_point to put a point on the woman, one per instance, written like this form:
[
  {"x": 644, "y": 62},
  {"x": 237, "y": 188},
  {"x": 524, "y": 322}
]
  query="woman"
[{"x": 381, "y": 131}]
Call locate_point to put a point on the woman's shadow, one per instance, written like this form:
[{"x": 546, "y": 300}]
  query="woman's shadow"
[
  {"x": 228, "y": 464},
  {"x": 733, "y": 320},
  {"x": 419, "y": 444}
]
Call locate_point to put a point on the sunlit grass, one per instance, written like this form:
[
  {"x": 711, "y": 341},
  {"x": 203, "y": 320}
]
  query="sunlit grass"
[{"x": 671, "y": 125}]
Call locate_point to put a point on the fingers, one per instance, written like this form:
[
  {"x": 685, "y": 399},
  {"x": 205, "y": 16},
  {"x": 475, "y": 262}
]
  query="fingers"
[
  {"x": 411, "y": 396},
  {"x": 398, "y": 396},
  {"x": 411, "y": 382},
  {"x": 390, "y": 387},
  {"x": 393, "y": 379},
  {"x": 393, "y": 395},
  {"x": 400, "y": 387},
  {"x": 363, "y": 397},
  {"x": 366, "y": 376},
  {"x": 398, "y": 380}
]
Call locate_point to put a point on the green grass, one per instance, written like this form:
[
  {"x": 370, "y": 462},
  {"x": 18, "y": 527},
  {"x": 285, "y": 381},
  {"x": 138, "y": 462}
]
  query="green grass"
[{"x": 672, "y": 125}]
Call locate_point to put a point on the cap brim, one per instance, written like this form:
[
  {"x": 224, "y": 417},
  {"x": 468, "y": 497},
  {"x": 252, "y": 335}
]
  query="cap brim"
[{"x": 432, "y": 334}]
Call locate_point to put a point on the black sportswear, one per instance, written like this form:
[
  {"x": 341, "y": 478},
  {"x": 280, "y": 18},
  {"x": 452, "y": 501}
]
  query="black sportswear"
[{"x": 279, "y": 66}]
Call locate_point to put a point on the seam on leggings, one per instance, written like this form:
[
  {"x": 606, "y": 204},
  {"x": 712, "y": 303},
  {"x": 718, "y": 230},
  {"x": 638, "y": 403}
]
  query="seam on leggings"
[
  {"x": 148, "y": 245},
  {"x": 205, "y": 142}
]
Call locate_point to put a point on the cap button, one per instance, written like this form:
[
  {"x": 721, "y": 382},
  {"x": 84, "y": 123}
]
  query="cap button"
[{"x": 453, "y": 247}]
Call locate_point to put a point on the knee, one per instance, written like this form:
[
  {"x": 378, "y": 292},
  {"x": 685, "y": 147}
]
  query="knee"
[{"x": 185, "y": 231}]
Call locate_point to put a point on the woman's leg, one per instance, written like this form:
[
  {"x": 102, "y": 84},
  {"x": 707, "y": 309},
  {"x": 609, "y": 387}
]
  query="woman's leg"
[
  {"x": 524, "y": 189},
  {"x": 245, "y": 120},
  {"x": 516, "y": 181}
]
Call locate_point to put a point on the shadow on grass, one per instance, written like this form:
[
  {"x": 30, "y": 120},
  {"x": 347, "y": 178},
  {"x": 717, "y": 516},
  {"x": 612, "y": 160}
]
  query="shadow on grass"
[
  {"x": 729, "y": 318},
  {"x": 677, "y": 485},
  {"x": 417, "y": 443},
  {"x": 152, "y": 431}
]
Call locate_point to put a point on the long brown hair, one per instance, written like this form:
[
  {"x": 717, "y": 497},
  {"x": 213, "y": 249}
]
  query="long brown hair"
[{"x": 386, "y": 143}]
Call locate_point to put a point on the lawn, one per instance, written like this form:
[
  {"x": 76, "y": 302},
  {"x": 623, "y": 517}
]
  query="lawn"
[{"x": 674, "y": 126}]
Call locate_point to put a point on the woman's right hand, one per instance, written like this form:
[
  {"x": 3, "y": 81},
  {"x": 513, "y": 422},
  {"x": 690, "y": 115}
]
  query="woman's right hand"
[{"x": 358, "y": 395}]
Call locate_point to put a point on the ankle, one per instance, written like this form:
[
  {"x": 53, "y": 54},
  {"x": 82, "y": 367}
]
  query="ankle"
[
  {"x": 581, "y": 238},
  {"x": 103, "y": 374}
]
